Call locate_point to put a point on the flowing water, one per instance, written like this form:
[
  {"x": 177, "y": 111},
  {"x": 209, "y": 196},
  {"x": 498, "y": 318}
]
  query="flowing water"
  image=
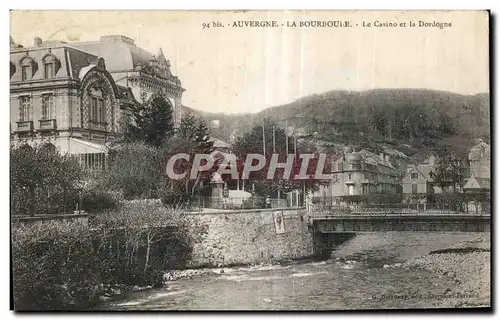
[{"x": 354, "y": 278}]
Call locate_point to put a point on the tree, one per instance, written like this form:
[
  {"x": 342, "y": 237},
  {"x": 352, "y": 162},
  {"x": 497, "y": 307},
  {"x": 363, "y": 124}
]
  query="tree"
[
  {"x": 449, "y": 169},
  {"x": 134, "y": 169},
  {"x": 195, "y": 129},
  {"x": 252, "y": 142},
  {"x": 178, "y": 191},
  {"x": 150, "y": 122}
]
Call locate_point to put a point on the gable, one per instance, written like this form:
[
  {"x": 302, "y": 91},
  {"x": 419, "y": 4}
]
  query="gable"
[{"x": 472, "y": 183}]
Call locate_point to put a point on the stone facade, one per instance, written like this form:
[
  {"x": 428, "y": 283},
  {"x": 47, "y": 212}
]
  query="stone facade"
[
  {"x": 359, "y": 173},
  {"x": 62, "y": 95},
  {"x": 480, "y": 169},
  {"x": 249, "y": 237},
  {"x": 147, "y": 75},
  {"x": 74, "y": 96},
  {"x": 479, "y": 159}
]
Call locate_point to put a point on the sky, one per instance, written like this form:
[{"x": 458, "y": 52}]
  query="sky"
[{"x": 247, "y": 69}]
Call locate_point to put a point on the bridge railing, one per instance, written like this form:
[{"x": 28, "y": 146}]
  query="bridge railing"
[{"x": 325, "y": 209}]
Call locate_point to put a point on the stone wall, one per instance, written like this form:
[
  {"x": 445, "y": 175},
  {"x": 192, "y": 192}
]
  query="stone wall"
[{"x": 248, "y": 237}]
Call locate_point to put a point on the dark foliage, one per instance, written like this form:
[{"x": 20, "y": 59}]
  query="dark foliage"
[
  {"x": 150, "y": 122},
  {"x": 42, "y": 181}
]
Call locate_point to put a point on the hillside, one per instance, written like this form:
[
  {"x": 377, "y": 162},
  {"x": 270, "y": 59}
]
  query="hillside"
[{"x": 414, "y": 121}]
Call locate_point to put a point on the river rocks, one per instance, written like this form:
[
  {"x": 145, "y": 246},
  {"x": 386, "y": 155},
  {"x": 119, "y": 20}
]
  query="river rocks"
[
  {"x": 183, "y": 274},
  {"x": 469, "y": 272}
]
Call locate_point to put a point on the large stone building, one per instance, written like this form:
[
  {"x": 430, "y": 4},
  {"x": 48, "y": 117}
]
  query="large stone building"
[
  {"x": 480, "y": 169},
  {"x": 361, "y": 173},
  {"x": 146, "y": 75},
  {"x": 75, "y": 95}
]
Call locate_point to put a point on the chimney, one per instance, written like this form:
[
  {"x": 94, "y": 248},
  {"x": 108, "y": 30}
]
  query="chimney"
[
  {"x": 381, "y": 156},
  {"x": 37, "y": 41},
  {"x": 387, "y": 158}
]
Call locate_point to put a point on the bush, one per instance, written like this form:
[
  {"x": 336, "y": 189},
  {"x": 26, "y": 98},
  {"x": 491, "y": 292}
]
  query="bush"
[
  {"x": 97, "y": 199},
  {"x": 134, "y": 170},
  {"x": 42, "y": 181},
  {"x": 67, "y": 265}
]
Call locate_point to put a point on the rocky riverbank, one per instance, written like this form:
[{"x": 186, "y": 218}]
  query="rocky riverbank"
[{"x": 467, "y": 265}]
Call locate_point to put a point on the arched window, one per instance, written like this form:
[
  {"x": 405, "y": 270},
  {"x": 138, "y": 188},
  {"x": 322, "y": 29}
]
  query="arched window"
[
  {"x": 28, "y": 68},
  {"x": 50, "y": 65}
]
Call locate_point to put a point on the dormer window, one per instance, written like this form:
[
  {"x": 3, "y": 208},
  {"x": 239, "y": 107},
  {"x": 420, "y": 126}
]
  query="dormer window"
[
  {"x": 51, "y": 65},
  {"x": 49, "y": 70},
  {"x": 28, "y": 68},
  {"x": 25, "y": 72},
  {"x": 414, "y": 175}
]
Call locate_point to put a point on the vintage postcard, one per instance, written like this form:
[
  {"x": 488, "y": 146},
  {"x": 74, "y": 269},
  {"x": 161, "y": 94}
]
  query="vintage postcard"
[{"x": 250, "y": 160}]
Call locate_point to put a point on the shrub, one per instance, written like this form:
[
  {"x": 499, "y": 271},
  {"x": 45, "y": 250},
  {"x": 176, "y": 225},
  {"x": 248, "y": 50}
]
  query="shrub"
[
  {"x": 42, "y": 181},
  {"x": 134, "y": 170},
  {"x": 97, "y": 199},
  {"x": 67, "y": 265}
]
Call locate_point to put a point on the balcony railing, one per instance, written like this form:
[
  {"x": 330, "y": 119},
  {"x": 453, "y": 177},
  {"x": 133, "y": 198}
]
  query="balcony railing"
[
  {"x": 24, "y": 126},
  {"x": 98, "y": 125},
  {"x": 47, "y": 124}
]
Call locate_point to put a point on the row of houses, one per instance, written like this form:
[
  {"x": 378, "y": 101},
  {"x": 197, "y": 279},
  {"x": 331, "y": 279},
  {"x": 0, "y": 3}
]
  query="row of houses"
[
  {"x": 357, "y": 173},
  {"x": 363, "y": 172}
]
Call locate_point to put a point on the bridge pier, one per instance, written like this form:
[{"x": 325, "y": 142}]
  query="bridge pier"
[{"x": 324, "y": 243}]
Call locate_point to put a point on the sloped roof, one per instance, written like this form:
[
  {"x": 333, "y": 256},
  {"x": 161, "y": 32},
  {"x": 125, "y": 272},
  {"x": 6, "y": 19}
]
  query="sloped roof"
[
  {"x": 395, "y": 153},
  {"x": 119, "y": 56},
  {"x": 218, "y": 143},
  {"x": 374, "y": 159},
  {"x": 478, "y": 183},
  {"x": 424, "y": 169}
]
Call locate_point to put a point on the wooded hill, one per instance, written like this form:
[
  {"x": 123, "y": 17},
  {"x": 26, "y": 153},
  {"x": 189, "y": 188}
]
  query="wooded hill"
[{"x": 415, "y": 121}]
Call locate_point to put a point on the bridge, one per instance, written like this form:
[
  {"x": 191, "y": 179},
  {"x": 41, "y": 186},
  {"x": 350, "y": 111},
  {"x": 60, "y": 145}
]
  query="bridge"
[
  {"x": 333, "y": 225},
  {"x": 400, "y": 222}
]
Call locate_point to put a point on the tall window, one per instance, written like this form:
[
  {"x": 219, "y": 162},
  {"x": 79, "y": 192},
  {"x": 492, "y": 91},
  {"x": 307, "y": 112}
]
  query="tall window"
[
  {"x": 49, "y": 70},
  {"x": 97, "y": 110},
  {"x": 350, "y": 190},
  {"x": 93, "y": 109},
  {"x": 414, "y": 188},
  {"x": 25, "y": 71},
  {"x": 24, "y": 108},
  {"x": 100, "y": 110},
  {"x": 340, "y": 166},
  {"x": 47, "y": 106}
]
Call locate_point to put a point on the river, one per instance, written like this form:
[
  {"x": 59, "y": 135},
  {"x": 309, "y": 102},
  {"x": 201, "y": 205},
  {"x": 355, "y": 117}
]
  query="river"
[{"x": 357, "y": 276}]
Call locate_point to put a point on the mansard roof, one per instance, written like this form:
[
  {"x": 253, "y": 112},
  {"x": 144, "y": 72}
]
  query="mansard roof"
[
  {"x": 71, "y": 60},
  {"x": 121, "y": 55}
]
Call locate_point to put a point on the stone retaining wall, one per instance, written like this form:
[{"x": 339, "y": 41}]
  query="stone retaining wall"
[{"x": 249, "y": 237}]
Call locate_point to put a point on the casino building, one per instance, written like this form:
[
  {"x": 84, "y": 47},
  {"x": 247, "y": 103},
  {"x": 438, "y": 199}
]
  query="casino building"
[{"x": 75, "y": 95}]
